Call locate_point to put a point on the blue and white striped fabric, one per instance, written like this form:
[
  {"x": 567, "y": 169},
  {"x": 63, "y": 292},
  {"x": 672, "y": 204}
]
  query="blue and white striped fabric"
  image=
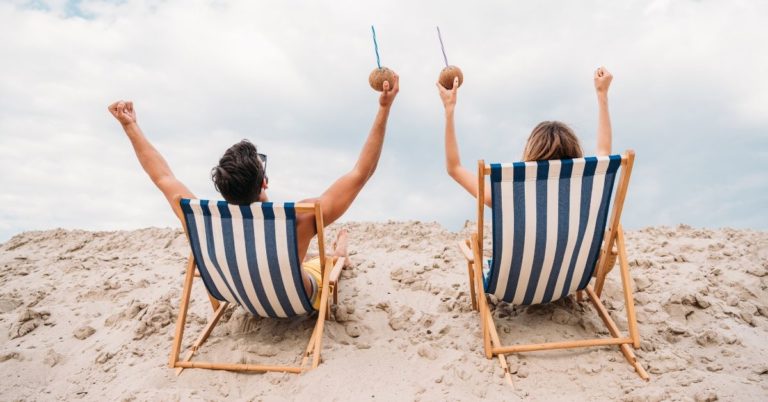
[
  {"x": 247, "y": 254},
  {"x": 549, "y": 219}
]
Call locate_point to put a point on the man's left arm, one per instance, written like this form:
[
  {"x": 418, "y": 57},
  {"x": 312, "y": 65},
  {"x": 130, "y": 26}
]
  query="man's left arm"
[{"x": 339, "y": 196}]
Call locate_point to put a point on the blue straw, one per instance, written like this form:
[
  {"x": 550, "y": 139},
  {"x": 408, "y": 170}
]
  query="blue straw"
[
  {"x": 441, "y": 46},
  {"x": 376, "y": 47}
]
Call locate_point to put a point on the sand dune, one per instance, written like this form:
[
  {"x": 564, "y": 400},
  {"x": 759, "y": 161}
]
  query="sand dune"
[{"x": 90, "y": 315}]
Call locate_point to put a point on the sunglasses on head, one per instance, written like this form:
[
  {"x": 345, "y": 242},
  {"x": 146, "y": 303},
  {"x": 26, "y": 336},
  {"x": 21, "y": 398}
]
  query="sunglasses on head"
[{"x": 263, "y": 159}]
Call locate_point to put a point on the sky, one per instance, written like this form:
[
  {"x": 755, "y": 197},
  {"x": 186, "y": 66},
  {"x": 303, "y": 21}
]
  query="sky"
[{"x": 690, "y": 96}]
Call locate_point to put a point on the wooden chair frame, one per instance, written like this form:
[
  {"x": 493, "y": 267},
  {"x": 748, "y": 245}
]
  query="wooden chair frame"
[
  {"x": 330, "y": 282},
  {"x": 472, "y": 249}
]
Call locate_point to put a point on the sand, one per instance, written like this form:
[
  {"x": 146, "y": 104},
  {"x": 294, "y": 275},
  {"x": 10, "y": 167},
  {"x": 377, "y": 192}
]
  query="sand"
[{"x": 90, "y": 316}]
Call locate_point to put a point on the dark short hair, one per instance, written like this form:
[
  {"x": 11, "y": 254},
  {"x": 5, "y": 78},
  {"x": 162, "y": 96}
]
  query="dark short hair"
[{"x": 239, "y": 174}]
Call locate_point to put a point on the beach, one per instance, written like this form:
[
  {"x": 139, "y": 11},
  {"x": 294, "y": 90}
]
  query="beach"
[{"x": 91, "y": 315}]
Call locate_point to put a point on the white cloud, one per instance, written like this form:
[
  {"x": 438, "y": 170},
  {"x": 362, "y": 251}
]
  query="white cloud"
[{"x": 292, "y": 77}]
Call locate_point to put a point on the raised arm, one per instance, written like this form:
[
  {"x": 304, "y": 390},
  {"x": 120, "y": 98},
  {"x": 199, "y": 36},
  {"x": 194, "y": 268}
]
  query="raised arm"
[
  {"x": 339, "y": 196},
  {"x": 150, "y": 159},
  {"x": 462, "y": 175},
  {"x": 603, "y": 80}
]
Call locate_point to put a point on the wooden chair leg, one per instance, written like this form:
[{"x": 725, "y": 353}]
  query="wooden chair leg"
[
  {"x": 203, "y": 335},
  {"x": 322, "y": 311},
  {"x": 334, "y": 279},
  {"x": 614, "y": 331},
  {"x": 485, "y": 311},
  {"x": 485, "y": 318},
  {"x": 611, "y": 259},
  {"x": 495, "y": 342},
  {"x": 632, "y": 359},
  {"x": 605, "y": 258},
  {"x": 183, "y": 307},
  {"x": 626, "y": 283},
  {"x": 472, "y": 294},
  {"x": 310, "y": 347}
]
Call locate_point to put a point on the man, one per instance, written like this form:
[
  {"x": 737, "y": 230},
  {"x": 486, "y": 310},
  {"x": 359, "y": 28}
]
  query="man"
[{"x": 240, "y": 178}]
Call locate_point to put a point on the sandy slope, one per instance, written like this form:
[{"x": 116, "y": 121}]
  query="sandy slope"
[{"x": 90, "y": 315}]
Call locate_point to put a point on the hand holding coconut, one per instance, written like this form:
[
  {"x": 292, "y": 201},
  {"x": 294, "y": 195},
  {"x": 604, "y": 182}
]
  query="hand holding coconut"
[
  {"x": 389, "y": 89},
  {"x": 448, "y": 96}
]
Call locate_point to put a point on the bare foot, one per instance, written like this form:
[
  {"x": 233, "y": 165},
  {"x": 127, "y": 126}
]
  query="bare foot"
[{"x": 340, "y": 247}]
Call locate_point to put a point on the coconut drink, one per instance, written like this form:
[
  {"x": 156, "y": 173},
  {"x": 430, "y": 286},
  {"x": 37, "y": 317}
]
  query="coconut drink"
[
  {"x": 448, "y": 74},
  {"x": 378, "y": 76}
]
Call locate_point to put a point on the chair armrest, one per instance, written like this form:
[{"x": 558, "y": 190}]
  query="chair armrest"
[
  {"x": 464, "y": 247},
  {"x": 336, "y": 270}
]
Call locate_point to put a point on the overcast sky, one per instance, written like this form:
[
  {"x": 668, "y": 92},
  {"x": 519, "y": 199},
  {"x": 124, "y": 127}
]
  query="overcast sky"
[{"x": 690, "y": 95}]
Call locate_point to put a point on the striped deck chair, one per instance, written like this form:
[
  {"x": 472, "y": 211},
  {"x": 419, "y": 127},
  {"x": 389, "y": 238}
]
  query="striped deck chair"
[
  {"x": 247, "y": 255},
  {"x": 549, "y": 239}
]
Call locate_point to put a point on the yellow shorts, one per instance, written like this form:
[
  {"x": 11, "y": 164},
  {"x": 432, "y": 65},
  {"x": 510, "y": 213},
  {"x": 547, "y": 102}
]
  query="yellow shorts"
[{"x": 312, "y": 268}]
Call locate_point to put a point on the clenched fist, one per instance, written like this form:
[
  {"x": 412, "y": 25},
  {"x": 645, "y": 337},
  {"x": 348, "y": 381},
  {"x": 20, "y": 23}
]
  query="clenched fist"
[
  {"x": 123, "y": 112},
  {"x": 603, "y": 80}
]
